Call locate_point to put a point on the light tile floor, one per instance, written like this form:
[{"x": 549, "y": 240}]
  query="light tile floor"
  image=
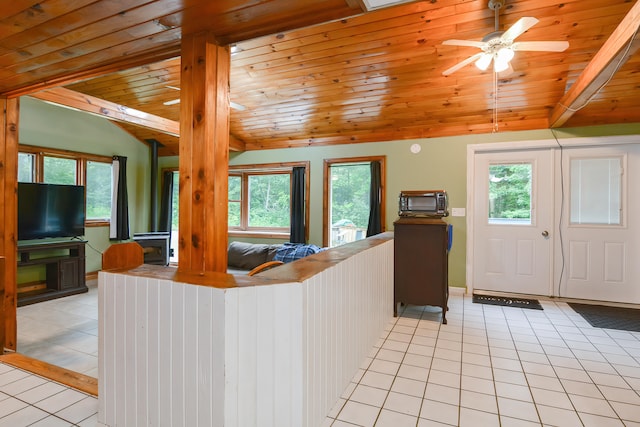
[
  {"x": 489, "y": 366},
  {"x": 30, "y": 400},
  {"x": 495, "y": 366},
  {"x": 63, "y": 332}
]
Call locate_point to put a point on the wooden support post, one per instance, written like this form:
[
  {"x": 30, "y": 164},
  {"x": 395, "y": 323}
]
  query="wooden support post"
[
  {"x": 9, "y": 221},
  {"x": 204, "y": 154}
]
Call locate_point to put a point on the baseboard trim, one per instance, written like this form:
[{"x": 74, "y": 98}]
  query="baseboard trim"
[{"x": 60, "y": 375}]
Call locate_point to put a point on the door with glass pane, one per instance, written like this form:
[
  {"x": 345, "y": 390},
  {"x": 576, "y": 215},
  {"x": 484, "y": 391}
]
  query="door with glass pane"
[
  {"x": 599, "y": 257},
  {"x": 512, "y": 222}
]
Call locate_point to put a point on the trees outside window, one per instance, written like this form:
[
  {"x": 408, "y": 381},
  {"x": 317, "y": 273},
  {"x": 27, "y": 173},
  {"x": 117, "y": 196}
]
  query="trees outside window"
[
  {"x": 26, "y": 167},
  {"x": 59, "y": 170},
  {"x": 51, "y": 166},
  {"x": 510, "y": 193},
  {"x": 98, "y": 190},
  {"x": 269, "y": 201},
  {"x": 346, "y": 199},
  {"x": 259, "y": 200}
]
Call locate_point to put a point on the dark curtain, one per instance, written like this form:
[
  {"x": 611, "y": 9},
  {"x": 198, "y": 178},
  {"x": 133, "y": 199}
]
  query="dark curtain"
[
  {"x": 166, "y": 202},
  {"x": 297, "y": 205},
  {"x": 119, "y": 228},
  {"x": 375, "y": 210}
]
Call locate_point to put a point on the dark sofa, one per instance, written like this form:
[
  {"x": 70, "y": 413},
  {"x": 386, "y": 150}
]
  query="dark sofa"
[{"x": 243, "y": 257}]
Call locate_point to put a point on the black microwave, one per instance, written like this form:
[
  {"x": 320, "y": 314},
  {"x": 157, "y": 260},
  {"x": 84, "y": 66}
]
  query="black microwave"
[{"x": 433, "y": 203}]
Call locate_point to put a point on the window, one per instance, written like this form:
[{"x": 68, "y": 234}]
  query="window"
[
  {"x": 98, "y": 191},
  {"x": 36, "y": 164},
  {"x": 26, "y": 167},
  {"x": 235, "y": 200},
  {"x": 58, "y": 170},
  {"x": 259, "y": 198},
  {"x": 596, "y": 191},
  {"x": 510, "y": 193},
  {"x": 346, "y": 199}
]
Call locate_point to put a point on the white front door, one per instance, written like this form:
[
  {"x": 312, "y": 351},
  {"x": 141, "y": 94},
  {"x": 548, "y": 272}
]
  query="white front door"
[
  {"x": 512, "y": 218},
  {"x": 600, "y": 253}
]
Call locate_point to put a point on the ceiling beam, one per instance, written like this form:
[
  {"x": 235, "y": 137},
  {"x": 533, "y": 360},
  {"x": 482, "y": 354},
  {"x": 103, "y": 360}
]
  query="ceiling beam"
[
  {"x": 612, "y": 55},
  {"x": 119, "y": 113},
  {"x": 236, "y": 144},
  {"x": 109, "y": 110}
]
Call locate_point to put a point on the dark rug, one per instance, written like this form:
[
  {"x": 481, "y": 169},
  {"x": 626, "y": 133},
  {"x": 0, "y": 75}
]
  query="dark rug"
[
  {"x": 507, "y": 302},
  {"x": 603, "y": 316}
]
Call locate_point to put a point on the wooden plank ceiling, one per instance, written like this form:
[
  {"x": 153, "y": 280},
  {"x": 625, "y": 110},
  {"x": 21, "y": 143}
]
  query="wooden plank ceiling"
[{"x": 322, "y": 71}]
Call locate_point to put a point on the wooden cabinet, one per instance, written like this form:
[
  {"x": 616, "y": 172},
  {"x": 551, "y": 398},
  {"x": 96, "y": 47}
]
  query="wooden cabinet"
[
  {"x": 421, "y": 263},
  {"x": 65, "y": 269}
]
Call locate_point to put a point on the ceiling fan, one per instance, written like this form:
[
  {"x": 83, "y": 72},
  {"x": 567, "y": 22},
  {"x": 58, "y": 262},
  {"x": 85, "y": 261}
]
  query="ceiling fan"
[{"x": 499, "y": 46}]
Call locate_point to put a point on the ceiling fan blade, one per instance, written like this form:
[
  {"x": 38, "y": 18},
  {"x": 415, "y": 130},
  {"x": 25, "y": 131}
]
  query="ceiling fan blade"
[
  {"x": 559, "y": 46},
  {"x": 521, "y": 25},
  {"x": 471, "y": 43},
  {"x": 459, "y": 65}
]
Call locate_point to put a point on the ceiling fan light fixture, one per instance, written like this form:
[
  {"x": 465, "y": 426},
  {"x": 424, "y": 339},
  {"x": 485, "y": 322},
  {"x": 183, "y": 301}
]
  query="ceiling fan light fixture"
[
  {"x": 500, "y": 65},
  {"x": 502, "y": 59},
  {"x": 483, "y": 62},
  {"x": 505, "y": 54}
]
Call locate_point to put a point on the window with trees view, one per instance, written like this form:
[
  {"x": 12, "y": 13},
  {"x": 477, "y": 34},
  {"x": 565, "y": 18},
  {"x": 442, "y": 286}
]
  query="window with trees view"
[
  {"x": 51, "y": 166},
  {"x": 59, "y": 170},
  {"x": 26, "y": 167},
  {"x": 347, "y": 186},
  {"x": 98, "y": 190},
  {"x": 510, "y": 193},
  {"x": 259, "y": 200}
]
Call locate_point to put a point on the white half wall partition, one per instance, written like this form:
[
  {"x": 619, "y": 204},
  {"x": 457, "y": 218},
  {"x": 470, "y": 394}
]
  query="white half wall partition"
[{"x": 275, "y": 349}]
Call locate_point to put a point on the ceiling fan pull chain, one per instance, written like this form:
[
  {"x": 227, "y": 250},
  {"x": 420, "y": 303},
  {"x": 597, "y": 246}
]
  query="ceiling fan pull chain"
[{"x": 495, "y": 102}]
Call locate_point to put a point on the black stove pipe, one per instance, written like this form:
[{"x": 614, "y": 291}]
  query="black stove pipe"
[{"x": 153, "y": 210}]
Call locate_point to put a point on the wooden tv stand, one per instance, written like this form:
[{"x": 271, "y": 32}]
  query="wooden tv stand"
[{"x": 65, "y": 264}]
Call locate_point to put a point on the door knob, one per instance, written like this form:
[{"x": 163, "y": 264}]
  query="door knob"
[{"x": 545, "y": 233}]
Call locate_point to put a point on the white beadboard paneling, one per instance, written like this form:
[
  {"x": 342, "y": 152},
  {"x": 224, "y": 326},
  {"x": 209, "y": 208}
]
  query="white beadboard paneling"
[
  {"x": 231, "y": 357},
  {"x": 119, "y": 347},
  {"x": 154, "y": 352},
  {"x": 277, "y": 355},
  {"x": 357, "y": 294},
  {"x": 219, "y": 361},
  {"x": 190, "y": 345},
  {"x": 141, "y": 351},
  {"x": 297, "y": 364},
  {"x": 177, "y": 350},
  {"x": 128, "y": 357},
  {"x": 247, "y": 357},
  {"x": 106, "y": 386},
  {"x": 266, "y": 348},
  {"x": 165, "y": 319}
]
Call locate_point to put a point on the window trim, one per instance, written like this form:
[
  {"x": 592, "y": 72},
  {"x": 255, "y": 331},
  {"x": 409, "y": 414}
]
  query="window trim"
[
  {"x": 263, "y": 169},
  {"x": 325, "y": 189},
  {"x": 81, "y": 169}
]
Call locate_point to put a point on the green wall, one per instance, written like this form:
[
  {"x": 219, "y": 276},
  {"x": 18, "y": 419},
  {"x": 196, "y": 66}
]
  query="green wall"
[
  {"x": 46, "y": 125},
  {"x": 441, "y": 164}
]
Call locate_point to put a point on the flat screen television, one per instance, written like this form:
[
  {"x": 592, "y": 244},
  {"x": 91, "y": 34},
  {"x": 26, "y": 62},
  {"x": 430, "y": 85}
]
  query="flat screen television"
[{"x": 50, "y": 210}]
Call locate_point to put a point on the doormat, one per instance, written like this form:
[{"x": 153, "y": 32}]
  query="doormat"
[
  {"x": 604, "y": 316},
  {"x": 507, "y": 302}
]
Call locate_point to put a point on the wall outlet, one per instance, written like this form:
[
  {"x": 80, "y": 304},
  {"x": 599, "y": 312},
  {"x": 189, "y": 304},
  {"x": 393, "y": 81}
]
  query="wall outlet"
[{"x": 458, "y": 212}]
